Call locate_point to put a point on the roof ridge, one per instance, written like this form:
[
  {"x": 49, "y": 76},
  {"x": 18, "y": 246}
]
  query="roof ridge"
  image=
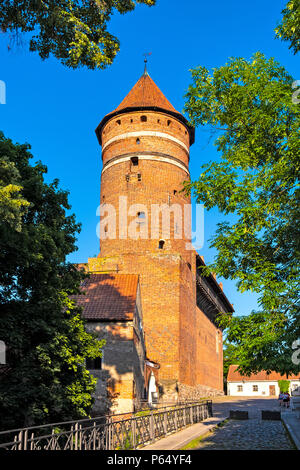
[{"x": 145, "y": 93}]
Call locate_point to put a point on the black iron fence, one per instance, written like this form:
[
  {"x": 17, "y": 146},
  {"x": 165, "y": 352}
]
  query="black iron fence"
[{"x": 107, "y": 432}]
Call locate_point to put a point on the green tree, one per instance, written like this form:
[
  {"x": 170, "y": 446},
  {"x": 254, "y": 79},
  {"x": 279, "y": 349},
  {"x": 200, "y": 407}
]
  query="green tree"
[
  {"x": 12, "y": 204},
  {"x": 289, "y": 28},
  {"x": 75, "y": 32},
  {"x": 284, "y": 385},
  {"x": 229, "y": 358},
  {"x": 45, "y": 378},
  {"x": 255, "y": 185}
]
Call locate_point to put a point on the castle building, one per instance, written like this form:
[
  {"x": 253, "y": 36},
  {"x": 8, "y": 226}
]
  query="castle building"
[{"x": 145, "y": 230}]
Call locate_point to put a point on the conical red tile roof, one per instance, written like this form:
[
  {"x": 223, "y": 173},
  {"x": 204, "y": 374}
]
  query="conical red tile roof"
[{"x": 145, "y": 93}]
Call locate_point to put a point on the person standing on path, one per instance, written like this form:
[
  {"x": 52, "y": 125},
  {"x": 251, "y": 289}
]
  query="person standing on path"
[{"x": 286, "y": 400}]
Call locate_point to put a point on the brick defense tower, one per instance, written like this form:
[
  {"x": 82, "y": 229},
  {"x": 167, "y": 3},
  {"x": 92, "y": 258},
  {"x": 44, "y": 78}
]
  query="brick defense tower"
[{"x": 145, "y": 152}]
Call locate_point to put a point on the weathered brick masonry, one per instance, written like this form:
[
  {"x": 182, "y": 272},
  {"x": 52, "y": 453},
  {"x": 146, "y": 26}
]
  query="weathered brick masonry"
[{"x": 145, "y": 152}]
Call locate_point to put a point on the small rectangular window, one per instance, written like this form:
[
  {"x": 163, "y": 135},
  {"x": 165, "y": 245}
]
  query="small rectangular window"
[
  {"x": 255, "y": 388},
  {"x": 135, "y": 161},
  {"x": 240, "y": 388}
]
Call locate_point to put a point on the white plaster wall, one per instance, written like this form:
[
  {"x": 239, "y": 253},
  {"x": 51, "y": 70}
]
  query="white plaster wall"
[{"x": 263, "y": 388}]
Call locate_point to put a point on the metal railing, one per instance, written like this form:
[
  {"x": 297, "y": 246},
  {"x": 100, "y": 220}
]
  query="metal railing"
[{"x": 107, "y": 433}]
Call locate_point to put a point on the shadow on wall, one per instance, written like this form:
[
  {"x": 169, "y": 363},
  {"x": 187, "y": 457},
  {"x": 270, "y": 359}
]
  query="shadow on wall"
[{"x": 114, "y": 317}]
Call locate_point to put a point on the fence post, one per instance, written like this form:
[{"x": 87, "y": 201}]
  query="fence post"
[
  {"x": 176, "y": 424},
  {"x": 25, "y": 437},
  {"x": 80, "y": 437},
  {"x": 20, "y": 445},
  {"x": 151, "y": 426},
  {"x": 191, "y": 414},
  {"x": 210, "y": 409},
  {"x": 112, "y": 435},
  {"x": 165, "y": 424},
  {"x": 108, "y": 435},
  {"x": 76, "y": 436},
  {"x": 94, "y": 435},
  {"x": 133, "y": 432},
  {"x": 71, "y": 437}
]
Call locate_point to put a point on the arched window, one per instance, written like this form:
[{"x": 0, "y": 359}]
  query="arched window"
[{"x": 161, "y": 244}]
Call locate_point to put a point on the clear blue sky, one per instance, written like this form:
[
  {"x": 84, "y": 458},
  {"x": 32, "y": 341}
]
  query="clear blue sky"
[{"x": 57, "y": 109}]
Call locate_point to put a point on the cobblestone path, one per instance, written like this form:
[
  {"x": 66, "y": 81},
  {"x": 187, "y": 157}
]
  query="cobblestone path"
[{"x": 253, "y": 434}]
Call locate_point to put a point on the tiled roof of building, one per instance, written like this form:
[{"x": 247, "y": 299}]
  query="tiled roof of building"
[
  {"x": 145, "y": 93},
  {"x": 108, "y": 297},
  {"x": 235, "y": 376}
]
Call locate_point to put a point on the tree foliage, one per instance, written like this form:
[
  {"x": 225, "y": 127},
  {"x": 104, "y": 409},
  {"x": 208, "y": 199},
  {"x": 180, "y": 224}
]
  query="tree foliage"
[
  {"x": 255, "y": 185},
  {"x": 75, "y": 32},
  {"x": 45, "y": 378},
  {"x": 289, "y": 28},
  {"x": 284, "y": 385}
]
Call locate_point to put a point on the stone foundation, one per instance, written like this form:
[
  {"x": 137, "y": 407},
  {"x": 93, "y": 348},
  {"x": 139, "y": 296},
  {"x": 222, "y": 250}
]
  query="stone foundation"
[
  {"x": 171, "y": 392},
  {"x": 185, "y": 392}
]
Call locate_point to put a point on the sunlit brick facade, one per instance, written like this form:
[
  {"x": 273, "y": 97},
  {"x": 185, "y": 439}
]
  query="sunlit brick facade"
[{"x": 145, "y": 152}]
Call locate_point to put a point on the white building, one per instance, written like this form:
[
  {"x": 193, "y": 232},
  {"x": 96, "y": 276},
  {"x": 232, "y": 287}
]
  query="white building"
[{"x": 260, "y": 384}]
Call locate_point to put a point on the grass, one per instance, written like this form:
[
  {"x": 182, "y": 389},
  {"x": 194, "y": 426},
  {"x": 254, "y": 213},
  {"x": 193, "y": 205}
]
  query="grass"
[{"x": 195, "y": 443}]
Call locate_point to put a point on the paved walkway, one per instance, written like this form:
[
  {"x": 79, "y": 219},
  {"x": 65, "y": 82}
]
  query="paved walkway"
[
  {"x": 253, "y": 434},
  {"x": 243, "y": 435},
  {"x": 182, "y": 438}
]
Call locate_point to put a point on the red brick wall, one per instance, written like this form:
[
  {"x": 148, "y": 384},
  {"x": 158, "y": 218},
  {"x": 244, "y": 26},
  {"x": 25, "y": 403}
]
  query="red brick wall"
[
  {"x": 209, "y": 353},
  {"x": 159, "y": 281},
  {"x": 172, "y": 324},
  {"x": 157, "y": 185},
  {"x": 156, "y": 144}
]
